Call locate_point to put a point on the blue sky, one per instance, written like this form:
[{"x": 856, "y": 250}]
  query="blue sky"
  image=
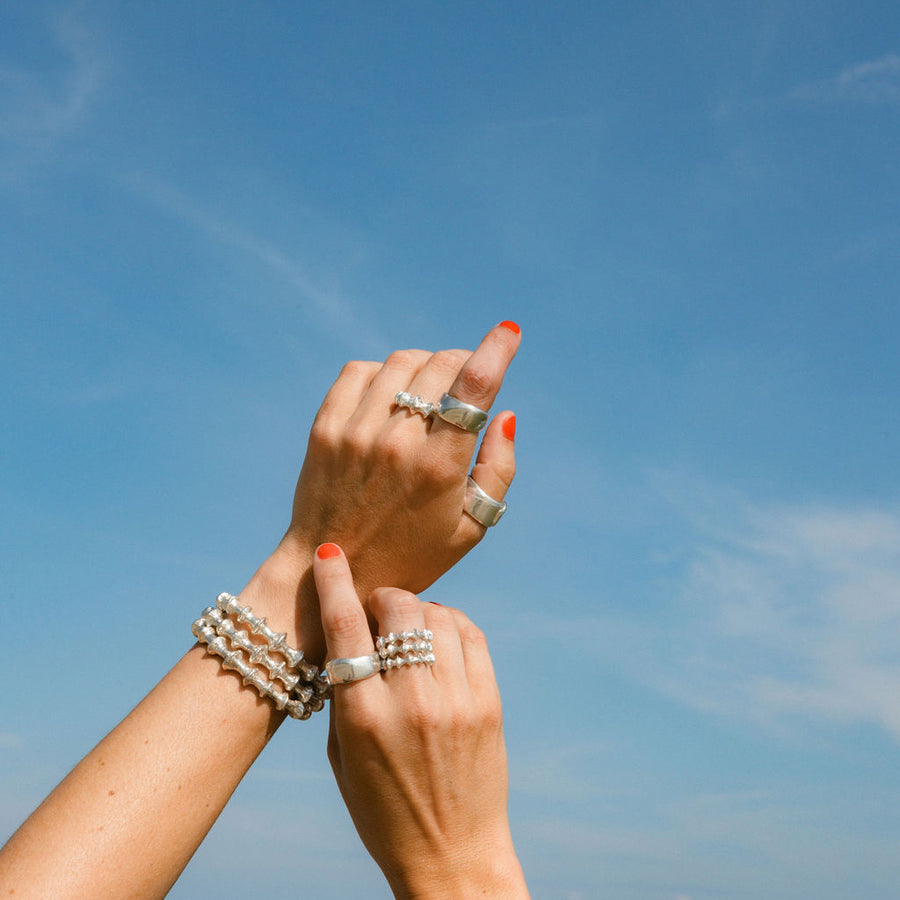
[{"x": 690, "y": 208}]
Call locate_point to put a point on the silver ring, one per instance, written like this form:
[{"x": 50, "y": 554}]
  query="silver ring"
[
  {"x": 482, "y": 508},
  {"x": 462, "y": 415},
  {"x": 415, "y": 404},
  {"x": 354, "y": 668},
  {"x": 408, "y": 648}
]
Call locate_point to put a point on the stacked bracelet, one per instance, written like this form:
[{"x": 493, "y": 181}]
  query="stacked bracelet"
[{"x": 301, "y": 691}]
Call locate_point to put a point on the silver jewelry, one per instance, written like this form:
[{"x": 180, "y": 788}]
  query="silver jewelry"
[
  {"x": 254, "y": 661},
  {"x": 277, "y": 641},
  {"x": 462, "y": 415},
  {"x": 354, "y": 668},
  {"x": 408, "y": 648},
  {"x": 415, "y": 404},
  {"x": 257, "y": 653},
  {"x": 250, "y": 675},
  {"x": 483, "y": 508}
]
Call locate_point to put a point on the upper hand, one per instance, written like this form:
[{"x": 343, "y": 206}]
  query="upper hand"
[{"x": 389, "y": 485}]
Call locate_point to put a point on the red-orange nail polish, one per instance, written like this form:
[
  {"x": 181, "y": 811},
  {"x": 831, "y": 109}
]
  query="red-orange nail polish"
[
  {"x": 328, "y": 551},
  {"x": 509, "y": 428},
  {"x": 435, "y": 603},
  {"x": 512, "y": 327}
]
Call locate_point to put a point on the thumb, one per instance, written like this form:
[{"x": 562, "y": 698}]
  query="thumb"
[
  {"x": 343, "y": 617},
  {"x": 495, "y": 465}
]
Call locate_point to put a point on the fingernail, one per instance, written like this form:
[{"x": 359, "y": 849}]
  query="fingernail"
[
  {"x": 328, "y": 551},
  {"x": 435, "y": 603},
  {"x": 509, "y": 428},
  {"x": 512, "y": 327}
]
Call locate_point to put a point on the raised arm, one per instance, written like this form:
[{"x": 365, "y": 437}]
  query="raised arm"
[{"x": 388, "y": 484}]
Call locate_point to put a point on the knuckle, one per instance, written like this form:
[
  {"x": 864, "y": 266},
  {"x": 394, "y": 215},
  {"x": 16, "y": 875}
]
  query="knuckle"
[
  {"x": 356, "y": 368},
  {"x": 491, "y": 712},
  {"x": 393, "y": 446},
  {"x": 354, "y": 443},
  {"x": 324, "y": 433},
  {"x": 386, "y": 600},
  {"x": 343, "y": 623},
  {"x": 477, "y": 384},
  {"x": 448, "y": 362},
  {"x": 405, "y": 360},
  {"x": 470, "y": 633},
  {"x": 437, "y": 470}
]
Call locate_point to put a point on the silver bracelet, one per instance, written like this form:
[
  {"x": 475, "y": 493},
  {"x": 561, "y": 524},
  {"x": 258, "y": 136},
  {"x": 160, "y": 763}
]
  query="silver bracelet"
[{"x": 223, "y": 638}]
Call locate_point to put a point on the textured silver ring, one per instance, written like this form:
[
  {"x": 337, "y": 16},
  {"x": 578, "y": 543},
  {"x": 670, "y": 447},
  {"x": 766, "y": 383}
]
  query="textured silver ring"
[
  {"x": 462, "y": 415},
  {"x": 415, "y": 404},
  {"x": 354, "y": 668},
  {"x": 483, "y": 508}
]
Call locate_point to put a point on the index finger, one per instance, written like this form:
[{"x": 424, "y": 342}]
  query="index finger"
[
  {"x": 344, "y": 620},
  {"x": 480, "y": 377}
]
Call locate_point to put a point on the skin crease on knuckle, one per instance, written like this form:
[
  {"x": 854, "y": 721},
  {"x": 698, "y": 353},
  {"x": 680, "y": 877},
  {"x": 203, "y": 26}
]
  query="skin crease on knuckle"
[
  {"x": 477, "y": 384},
  {"x": 407, "y": 360},
  {"x": 448, "y": 363}
]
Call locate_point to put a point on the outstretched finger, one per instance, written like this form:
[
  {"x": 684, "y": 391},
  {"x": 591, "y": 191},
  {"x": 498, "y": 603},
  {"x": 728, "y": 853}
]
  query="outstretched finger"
[
  {"x": 480, "y": 377},
  {"x": 344, "y": 620}
]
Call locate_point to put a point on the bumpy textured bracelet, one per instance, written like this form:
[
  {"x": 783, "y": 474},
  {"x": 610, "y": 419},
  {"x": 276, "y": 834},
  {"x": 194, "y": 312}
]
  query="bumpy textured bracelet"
[{"x": 304, "y": 689}]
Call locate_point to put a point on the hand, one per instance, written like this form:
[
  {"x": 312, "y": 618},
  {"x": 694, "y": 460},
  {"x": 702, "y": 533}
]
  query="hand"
[
  {"x": 387, "y": 484},
  {"x": 418, "y": 752}
]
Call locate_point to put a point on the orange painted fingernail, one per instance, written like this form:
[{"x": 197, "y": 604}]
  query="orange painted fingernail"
[
  {"x": 328, "y": 551},
  {"x": 512, "y": 327},
  {"x": 509, "y": 428}
]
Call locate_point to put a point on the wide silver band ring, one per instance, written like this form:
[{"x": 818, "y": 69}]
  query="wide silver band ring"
[
  {"x": 483, "y": 508},
  {"x": 462, "y": 415},
  {"x": 354, "y": 668}
]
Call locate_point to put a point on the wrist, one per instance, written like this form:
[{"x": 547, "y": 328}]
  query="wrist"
[
  {"x": 282, "y": 590},
  {"x": 496, "y": 873}
]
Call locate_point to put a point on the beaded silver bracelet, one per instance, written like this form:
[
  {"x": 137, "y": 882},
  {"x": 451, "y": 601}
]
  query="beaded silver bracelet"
[{"x": 305, "y": 690}]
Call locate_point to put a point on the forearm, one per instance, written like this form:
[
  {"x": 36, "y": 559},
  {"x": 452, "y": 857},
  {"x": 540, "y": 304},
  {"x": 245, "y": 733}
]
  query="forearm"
[{"x": 127, "y": 819}]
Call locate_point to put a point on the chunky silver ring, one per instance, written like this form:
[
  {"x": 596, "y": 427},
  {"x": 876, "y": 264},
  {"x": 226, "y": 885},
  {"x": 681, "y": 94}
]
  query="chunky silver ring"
[
  {"x": 354, "y": 668},
  {"x": 408, "y": 648},
  {"x": 462, "y": 415},
  {"x": 482, "y": 508}
]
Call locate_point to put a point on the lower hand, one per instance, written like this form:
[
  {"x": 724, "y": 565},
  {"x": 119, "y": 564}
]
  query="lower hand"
[{"x": 418, "y": 752}]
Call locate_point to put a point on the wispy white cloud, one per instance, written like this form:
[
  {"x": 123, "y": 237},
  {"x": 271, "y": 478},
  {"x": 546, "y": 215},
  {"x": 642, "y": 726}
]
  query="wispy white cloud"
[
  {"x": 39, "y": 105},
  {"x": 779, "y": 614},
  {"x": 784, "y": 612},
  {"x": 874, "y": 82},
  {"x": 320, "y": 293}
]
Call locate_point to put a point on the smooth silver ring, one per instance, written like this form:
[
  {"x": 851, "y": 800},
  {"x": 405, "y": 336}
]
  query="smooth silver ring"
[
  {"x": 354, "y": 668},
  {"x": 482, "y": 508},
  {"x": 462, "y": 415}
]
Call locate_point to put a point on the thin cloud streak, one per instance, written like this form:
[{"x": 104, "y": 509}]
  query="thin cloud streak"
[
  {"x": 874, "y": 82},
  {"x": 328, "y": 302}
]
